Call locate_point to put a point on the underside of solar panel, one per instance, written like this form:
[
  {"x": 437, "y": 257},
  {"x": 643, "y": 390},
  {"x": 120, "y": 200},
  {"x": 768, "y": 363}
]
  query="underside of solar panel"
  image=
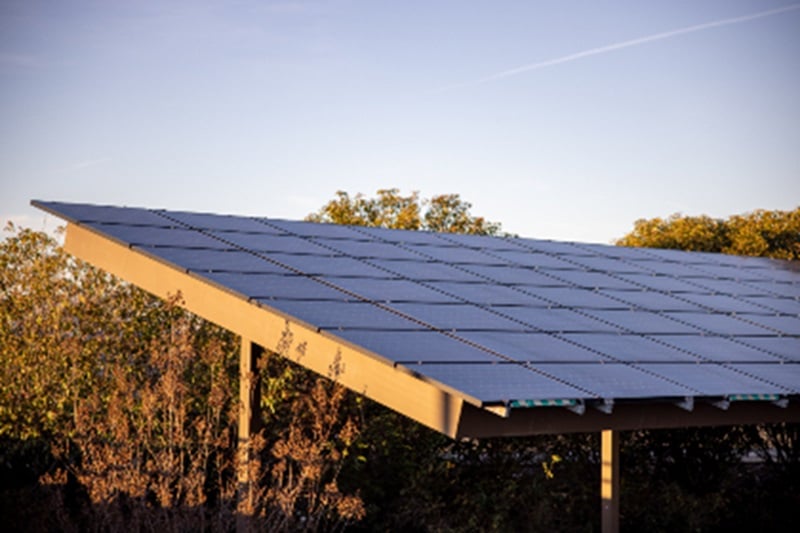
[{"x": 476, "y": 335}]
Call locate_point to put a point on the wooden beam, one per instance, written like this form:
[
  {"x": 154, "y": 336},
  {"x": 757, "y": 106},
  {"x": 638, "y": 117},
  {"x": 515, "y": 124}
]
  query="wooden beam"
[
  {"x": 249, "y": 424},
  {"x": 609, "y": 480}
]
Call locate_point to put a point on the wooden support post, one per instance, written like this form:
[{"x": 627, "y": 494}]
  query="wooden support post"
[
  {"x": 609, "y": 480},
  {"x": 249, "y": 417}
]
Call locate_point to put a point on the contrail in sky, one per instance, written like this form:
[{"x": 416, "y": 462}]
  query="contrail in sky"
[{"x": 619, "y": 46}]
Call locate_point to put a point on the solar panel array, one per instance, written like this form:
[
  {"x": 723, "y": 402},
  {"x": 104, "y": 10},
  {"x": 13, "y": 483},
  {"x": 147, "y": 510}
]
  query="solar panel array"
[{"x": 501, "y": 320}]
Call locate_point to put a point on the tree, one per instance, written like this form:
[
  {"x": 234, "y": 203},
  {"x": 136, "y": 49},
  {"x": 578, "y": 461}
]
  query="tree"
[
  {"x": 389, "y": 209},
  {"x": 759, "y": 233}
]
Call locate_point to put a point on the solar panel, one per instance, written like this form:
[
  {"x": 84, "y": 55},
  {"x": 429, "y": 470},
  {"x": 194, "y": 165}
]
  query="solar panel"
[
  {"x": 498, "y": 382},
  {"x": 496, "y": 319},
  {"x": 715, "y": 380},
  {"x": 160, "y": 236},
  {"x": 210, "y": 222},
  {"x": 531, "y": 347},
  {"x": 631, "y": 348},
  {"x": 416, "y": 347},
  {"x": 786, "y": 347}
]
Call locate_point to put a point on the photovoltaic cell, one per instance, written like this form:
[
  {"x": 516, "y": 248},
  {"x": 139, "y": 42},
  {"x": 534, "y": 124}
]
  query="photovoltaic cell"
[
  {"x": 417, "y": 346},
  {"x": 714, "y": 380},
  {"x": 786, "y": 375},
  {"x": 368, "y": 249},
  {"x": 400, "y": 236},
  {"x": 478, "y": 242},
  {"x": 613, "y": 380},
  {"x": 576, "y": 297},
  {"x": 786, "y": 347},
  {"x": 653, "y": 301},
  {"x": 786, "y": 325},
  {"x": 719, "y": 349},
  {"x": 214, "y": 260},
  {"x": 391, "y": 290},
  {"x": 592, "y": 280},
  {"x": 331, "y": 315},
  {"x": 497, "y": 383},
  {"x": 263, "y": 242},
  {"x": 557, "y": 320},
  {"x": 310, "y": 229},
  {"x": 224, "y": 223},
  {"x": 529, "y": 259},
  {"x": 531, "y": 347},
  {"x": 630, "y": 348},
  {"x": 722, "y": 303},
  {"x": 643, "y": 322},
  {"x": 786, "y": 290},
  {"x": 265, "y": 287},
  {"x": 514, "y": 276},
  {"x": 160, "y": 236},
  {"x": 455, "y": 255},
  {"x": 551, "y": 247},
  {"x": 664, "y": 284},
  {"x": 719, "y": 324},
  {"x": 104, "y": 214},
  {"x": 488, "y": 294},
  {"x": 788, "y": 306},
  {"x": 424, "y": 271},
  {"x": 320, "y": 265},
  {"x": 457, "y": 316},
  {"x": 675, "y": 270}
]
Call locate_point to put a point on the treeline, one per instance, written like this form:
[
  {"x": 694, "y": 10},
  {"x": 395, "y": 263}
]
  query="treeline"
[{"x": 119, "y": 411}]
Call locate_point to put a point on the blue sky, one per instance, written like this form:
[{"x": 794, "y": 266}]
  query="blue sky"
[{"x": 560, "y": 119}]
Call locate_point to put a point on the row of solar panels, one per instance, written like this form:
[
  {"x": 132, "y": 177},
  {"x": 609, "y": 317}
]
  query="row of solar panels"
[{"x": 500, "y": 319}]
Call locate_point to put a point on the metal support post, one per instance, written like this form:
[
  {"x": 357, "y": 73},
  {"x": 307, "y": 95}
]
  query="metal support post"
[{"x": 249, "y": 417}]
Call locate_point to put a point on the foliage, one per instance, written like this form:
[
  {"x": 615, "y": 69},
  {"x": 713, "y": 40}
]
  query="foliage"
[
  {"x": 445, "y": 213},
  {"x": 760, "y": 233},
  {"x": 119, "y": 411}
]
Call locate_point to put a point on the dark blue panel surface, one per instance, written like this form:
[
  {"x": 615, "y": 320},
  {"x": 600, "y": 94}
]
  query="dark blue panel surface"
[
  {"x": 400, "y": 236},
  {"x": 527, "y": 258},
  {"x": 551, "y": 247},
  {"x": 666, "y": 284},
  {"x": 713, "y": 380},
  {"x": 104, "y": 214},
  {"x": 424, "y": 271},
  {"x": 786, "y": 375},
  {"x": 368, "y": 249},
  {"x": 718, "y": 349},
  {"x": 214, "y": 260},
  {"x": 498, "y": 383},
  {"x": 575, "y": 297},
  {"x": 264, "y": 287},
  {"x": 786, "y": 347},
  {"x": 264, "y": 242},
  {"x": 514, "y": 276},
  {"x": 454, "y": 255},
  {"x": 786, "y": 290},
  {"x": 643, "y": 322},
  {"x": 417, "y": 346},
  {"x": 457, "y": 316},
  {"x": 156, "y": 236},
  {"x": 346, "y": 315},
  {"x": 653, "y": 301},
  {"x": 719, "y": 324},
  {"x": 609, "y": 264},
  {"x": 592, "y": 280},
  {"x": 478, "y": 242},
  {"x": 531, "y": 347},
  {"x": 320, "y": 265},
  {"x": 211, "y": 222},
  {"x": 391, "y": 290},
  {"x": 675, "y": 270},
  {"x": 786, "y": 325},
  {"x": 488, "y": 294},
  {"x": 630, "y": 348},
  {"x": 310, "y": 229},
  {"x": 732, "y": 288},
  {"x": 788, "y": 306},
  {"x": 557, "y": 320},
  {"x": 614, "y": 380},
  {"x": 722, "y": 303}
]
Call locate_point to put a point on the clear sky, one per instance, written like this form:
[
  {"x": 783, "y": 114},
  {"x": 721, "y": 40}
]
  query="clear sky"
[{"x": 562, "y": 119}]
